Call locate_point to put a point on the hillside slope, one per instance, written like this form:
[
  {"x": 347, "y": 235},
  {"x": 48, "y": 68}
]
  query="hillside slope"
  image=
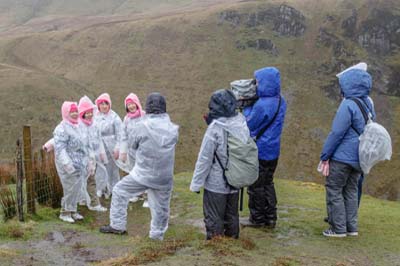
[{"x": 188, "y": 55}]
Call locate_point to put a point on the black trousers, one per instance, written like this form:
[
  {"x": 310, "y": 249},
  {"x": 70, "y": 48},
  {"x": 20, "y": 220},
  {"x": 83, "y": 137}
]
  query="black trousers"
[
  {"x": 262, "y": 196},
  {"x": 221, "y": 214}
]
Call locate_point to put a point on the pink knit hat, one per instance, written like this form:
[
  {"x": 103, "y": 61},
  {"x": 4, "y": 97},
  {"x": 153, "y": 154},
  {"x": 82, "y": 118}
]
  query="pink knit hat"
[
  {"x": 85, "y": 104},
  {"x": 132, "y": 98},
  {"x": 105, "y": 97},
  {"x": 66, "y": 109}
]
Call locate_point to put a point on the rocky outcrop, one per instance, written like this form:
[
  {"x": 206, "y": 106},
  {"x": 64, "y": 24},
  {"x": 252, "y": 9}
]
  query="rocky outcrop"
[
  {"x": 259, "y": 44},
  {"x": 375, "y": 39},
  {"x": 285, "y": 20},
  {"x": 289, "y": 22},
  {"x": 232, "y": 17},
  {"x": 393, "y": 87},
  {"x": 263, "y": 45},
  {"x": 380, "y": 33}
]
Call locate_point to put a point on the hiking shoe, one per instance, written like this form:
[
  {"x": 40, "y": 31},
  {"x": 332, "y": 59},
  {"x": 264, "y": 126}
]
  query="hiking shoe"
[
  {"x": 107, "y": 229},
  {"x": 270, "y": 224},
  {"x": 67, "y": 218},
  {"x": 330, "y": 233},
  {"x": 134, "y": 199},
  {"x": 249, "y": 223},
  {"x": 77, "y": 216},
  {"x": 98, "y": 208},
  {"x": 352, "y": 233},
  {"x": 145, "y": 204}
]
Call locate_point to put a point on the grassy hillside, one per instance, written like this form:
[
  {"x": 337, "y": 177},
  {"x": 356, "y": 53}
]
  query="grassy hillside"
[
  {"x": 188, "y": 55},
  {"x": 297, "y": 239}
]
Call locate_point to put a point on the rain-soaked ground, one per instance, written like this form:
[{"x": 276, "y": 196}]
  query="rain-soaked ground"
[{"x": 78, "y": 244}]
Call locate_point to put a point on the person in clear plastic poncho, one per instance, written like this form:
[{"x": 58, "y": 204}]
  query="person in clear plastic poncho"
[
  {"x": 97, "y": 154},
  {"x": 134, "y": 113},
  {"x": 71, "y": 159},
  {"x": 220, "y": 201},
  {"x": 110, "y": 126},
  {"x": 154, "y": 140}
]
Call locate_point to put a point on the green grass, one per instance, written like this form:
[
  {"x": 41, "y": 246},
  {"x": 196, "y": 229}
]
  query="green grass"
[{"x": 297, "y": 240}]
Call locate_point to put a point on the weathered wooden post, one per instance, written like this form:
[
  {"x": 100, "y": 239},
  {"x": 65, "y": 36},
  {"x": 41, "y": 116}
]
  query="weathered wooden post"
[
  {"x": 30, "y": 189},
  {"x": 20, "y": 182},
  {"x": 43, "y": 166}
]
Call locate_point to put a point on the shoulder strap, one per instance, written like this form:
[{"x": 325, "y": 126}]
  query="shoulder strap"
[
  {"x": 223, "y": 168},
  {"x": 364, "y": 113},
  {"x": 261, "y": 132},
  {"x": 362, "y": 109}
]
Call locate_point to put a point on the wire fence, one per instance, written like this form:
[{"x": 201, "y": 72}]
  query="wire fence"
[{"x": 31, "y": 180}]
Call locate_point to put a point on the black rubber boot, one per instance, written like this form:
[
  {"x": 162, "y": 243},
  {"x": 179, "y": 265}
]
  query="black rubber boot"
[{"x": 107, "y": 229}]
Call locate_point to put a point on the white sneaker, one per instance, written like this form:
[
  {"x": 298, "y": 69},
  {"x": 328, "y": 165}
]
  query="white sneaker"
[
  {"x": 82, "y": 203},
  {"x": 98, "y": 208},
  {"x": 66, "y": 218},
  {"x": 77, "y": 216},
  {"x": 134, "y": 199},
  {"x": 99, "y": 193},
  {"x": 106, "y": 195},
  {"x": 145, "y": 204}
]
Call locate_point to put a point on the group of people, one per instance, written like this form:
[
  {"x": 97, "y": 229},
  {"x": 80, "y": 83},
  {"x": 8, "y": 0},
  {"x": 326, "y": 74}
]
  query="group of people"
[{"x": 91, "y": 144}]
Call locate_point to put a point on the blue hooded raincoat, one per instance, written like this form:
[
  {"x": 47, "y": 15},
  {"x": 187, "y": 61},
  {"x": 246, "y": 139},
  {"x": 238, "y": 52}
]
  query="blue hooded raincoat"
[
  {"x": 263, "y": 111},
  {"x": 342, "y": 142}
]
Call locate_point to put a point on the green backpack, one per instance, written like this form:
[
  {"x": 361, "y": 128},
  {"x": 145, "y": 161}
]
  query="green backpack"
[{"x": 242, "y": 167}]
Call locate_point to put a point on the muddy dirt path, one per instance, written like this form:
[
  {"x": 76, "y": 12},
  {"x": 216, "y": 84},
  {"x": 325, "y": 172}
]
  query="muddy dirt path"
[{"x": 79, "y": 244}]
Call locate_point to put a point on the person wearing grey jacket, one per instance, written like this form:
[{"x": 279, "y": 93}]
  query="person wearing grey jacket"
[{"x": 220, "y": 200}]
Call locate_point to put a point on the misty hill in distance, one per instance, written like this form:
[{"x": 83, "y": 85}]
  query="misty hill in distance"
[{"x": 53, "y": 50}]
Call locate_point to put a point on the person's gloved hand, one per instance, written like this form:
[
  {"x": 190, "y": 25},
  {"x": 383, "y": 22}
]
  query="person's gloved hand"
[
  {"x": 116, "y": 154},
  {"x": 323, "y": 167},
  {"x": 123, "y": 157}
]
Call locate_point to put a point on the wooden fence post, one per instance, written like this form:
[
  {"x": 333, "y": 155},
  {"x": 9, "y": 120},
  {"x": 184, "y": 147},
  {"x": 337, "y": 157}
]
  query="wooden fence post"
[
  {"x": 20, "y": 182},
  {"x": 43, "y": 166},
  {"x": 30, "y": 190}
]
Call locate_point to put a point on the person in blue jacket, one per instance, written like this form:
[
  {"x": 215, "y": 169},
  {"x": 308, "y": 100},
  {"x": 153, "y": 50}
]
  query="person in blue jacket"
[
  {"x": 270, "y": 110},
  {"x": 339, "y": 155}
]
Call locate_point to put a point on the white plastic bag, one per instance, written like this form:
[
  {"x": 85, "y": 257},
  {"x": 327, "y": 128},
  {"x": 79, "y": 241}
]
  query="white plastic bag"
[{"x": 375, "y": 146}]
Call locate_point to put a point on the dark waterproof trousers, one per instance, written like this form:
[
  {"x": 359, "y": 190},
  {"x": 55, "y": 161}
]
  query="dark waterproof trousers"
[
  {"x": 262, "y": 196},
  {"x": 342, "y": 197},
  {"x": 221, "y": 214}
]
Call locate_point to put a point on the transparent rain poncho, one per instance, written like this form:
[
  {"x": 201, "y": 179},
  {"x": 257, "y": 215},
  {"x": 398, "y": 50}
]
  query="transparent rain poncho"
[
  {"x": 110, "y": 127},
  {"x": 129, "y": 126},
  {"x": 71, "y": 158},
  {"x": 92, "y": 139},
  {"x": 154, "y": 140}
]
